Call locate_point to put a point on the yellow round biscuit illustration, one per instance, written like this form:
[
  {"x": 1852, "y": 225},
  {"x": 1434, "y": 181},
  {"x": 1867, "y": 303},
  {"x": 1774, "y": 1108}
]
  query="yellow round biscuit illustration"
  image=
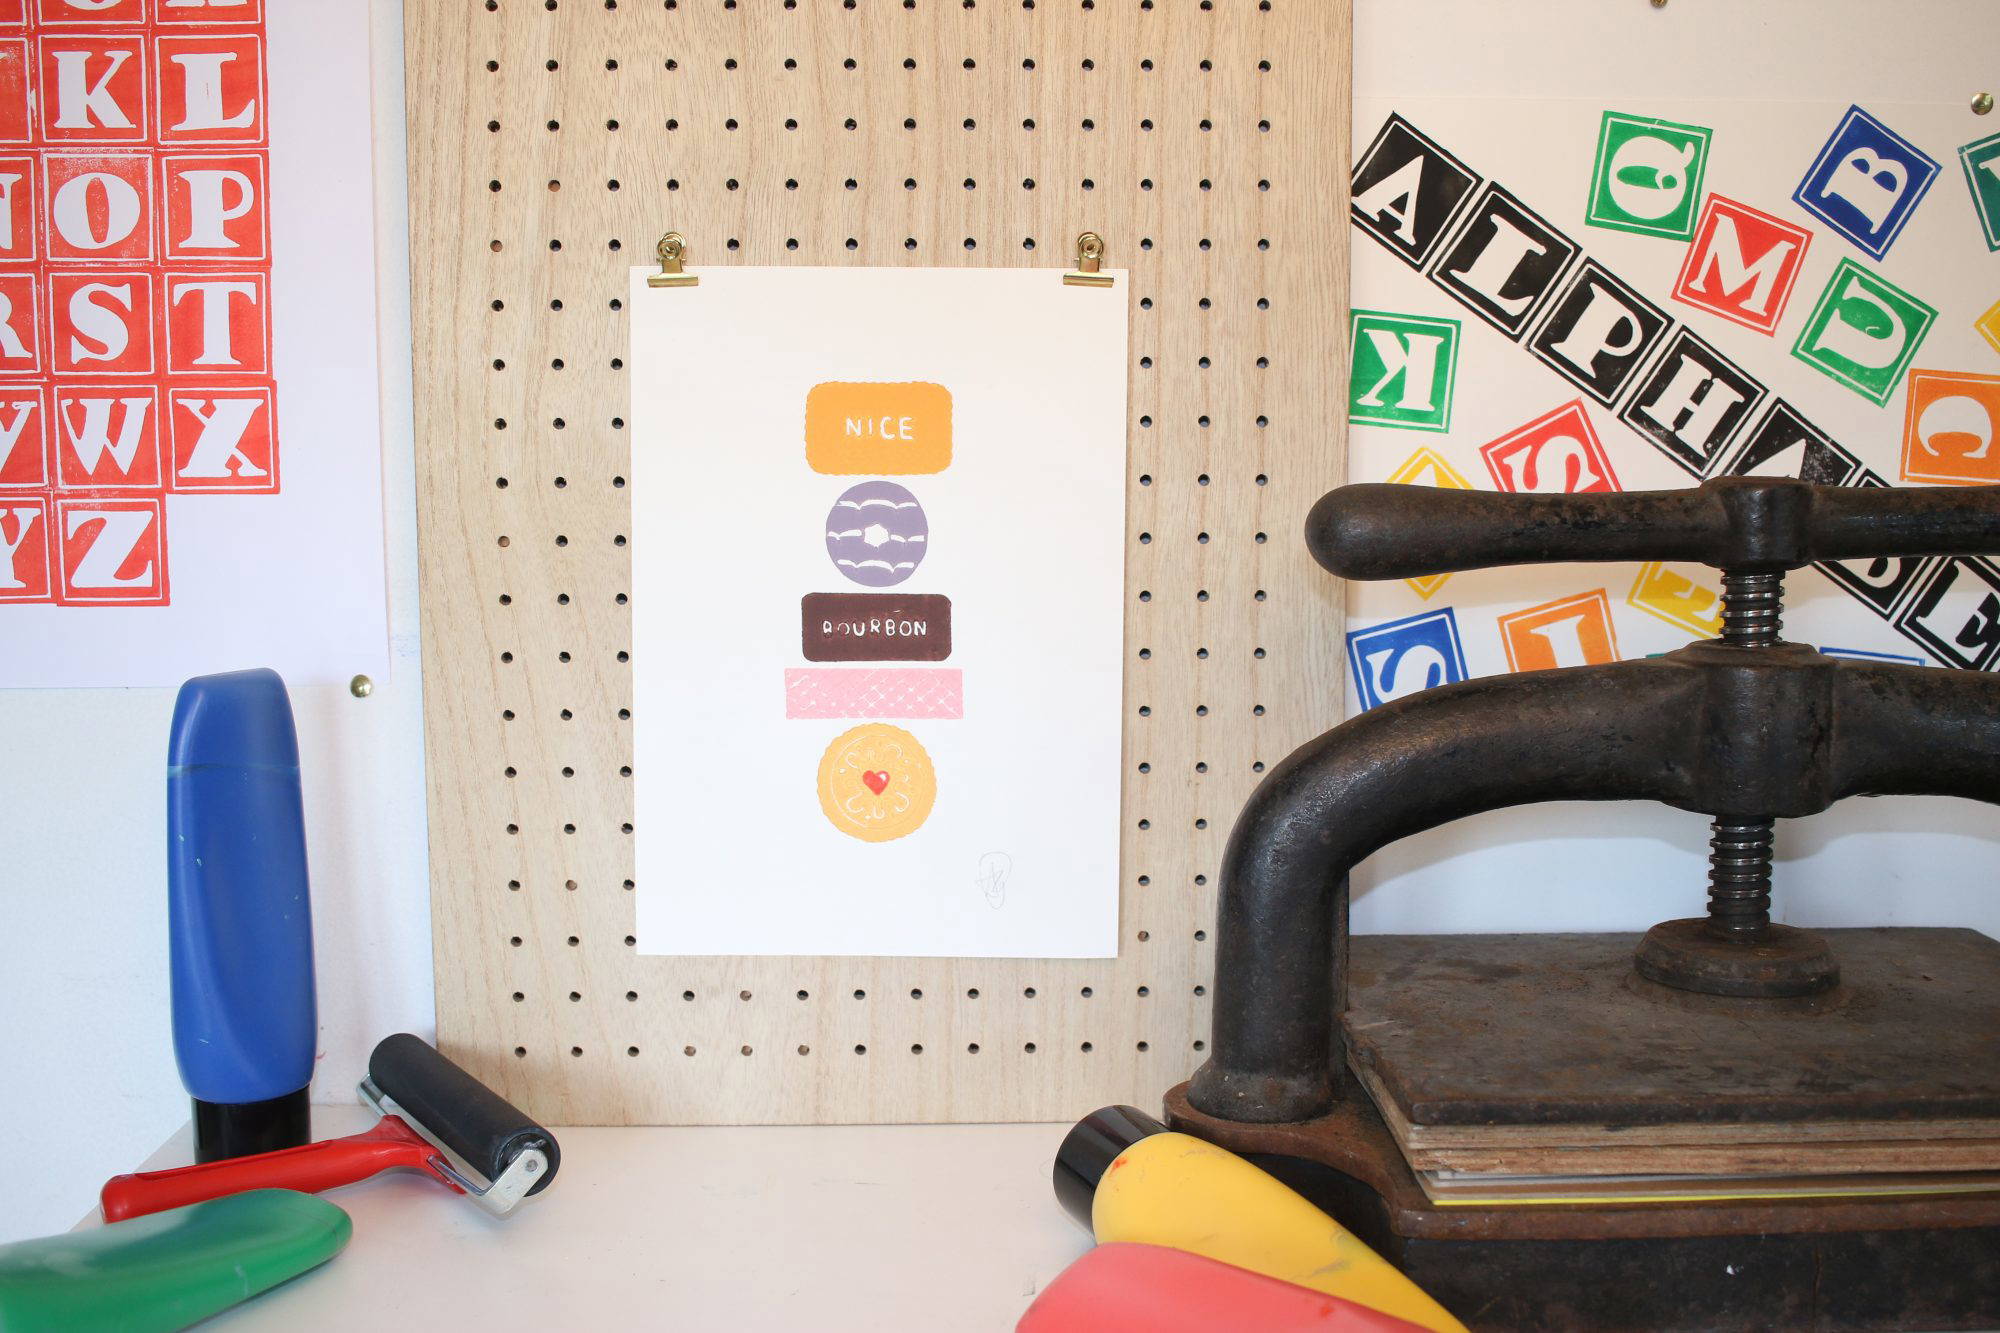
[{"x": 876, "y": 783}]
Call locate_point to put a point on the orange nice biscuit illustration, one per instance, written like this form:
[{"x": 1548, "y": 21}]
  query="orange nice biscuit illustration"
[{"x": 881, "y": 430}]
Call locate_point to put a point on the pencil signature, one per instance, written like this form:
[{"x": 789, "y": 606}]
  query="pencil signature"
[{"x": 994, "y": 867}]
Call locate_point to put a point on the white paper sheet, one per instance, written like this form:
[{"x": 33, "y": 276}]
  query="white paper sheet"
[
  {"x": 292, "y": 579},
  {"x": 763, "y": 833}
]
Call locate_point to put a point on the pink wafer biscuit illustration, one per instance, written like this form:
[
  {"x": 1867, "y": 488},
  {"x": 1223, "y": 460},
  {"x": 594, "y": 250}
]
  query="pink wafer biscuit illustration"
[{"x": 817, "y": 692}]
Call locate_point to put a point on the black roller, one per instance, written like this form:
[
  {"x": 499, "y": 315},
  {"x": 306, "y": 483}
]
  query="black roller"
[
  {"x": 467, "y": 1116},
  {"x": 1089, "y": 1149}
]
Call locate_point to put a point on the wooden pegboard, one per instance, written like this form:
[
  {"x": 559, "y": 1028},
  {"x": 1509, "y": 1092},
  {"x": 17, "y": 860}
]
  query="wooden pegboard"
[{"x": 551, "y": 143}]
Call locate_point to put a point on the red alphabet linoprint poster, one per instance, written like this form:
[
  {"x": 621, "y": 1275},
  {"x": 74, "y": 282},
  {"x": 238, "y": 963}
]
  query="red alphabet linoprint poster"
[{"x": 190, "y": 474}]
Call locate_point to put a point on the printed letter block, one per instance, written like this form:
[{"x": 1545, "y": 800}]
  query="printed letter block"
[
  {"x": 20, "y": 325},
  {"x": 25, "y": 440},
  {"x": 218, "y": 323},
  {"x": 93, "y": 88},
  {"x": 17, "y": 122},
  {"x": 224, "y": 439},
  {"x": 1742, "y": 264},
  {"x": 1949, "y": 428},
  {"x": 112, "y": 551},
  {"x": 102, "y": 323},
  {"x": 100, "y": 206},
  {"x": 1647, "y": 176},
  {"x": 1570, "y": 631},
  {"x": 1866, "y": 182},
  {"x": 1864, "y": 332},
  {"x": 108, "y": 438},
  {"x": 1404, "y": 656},
  {"x": 215, "y": 207},
  {"x": 25, "y": 567},
  {"x": 1678, "y": 599},
  {"x": 1981, "y": 161},
  {"x": 211, "y": 88},
  {"x": 20, "y": 210},
  {"x": 1556, "y": 452},
  {"x": 1402, "y": 370}
]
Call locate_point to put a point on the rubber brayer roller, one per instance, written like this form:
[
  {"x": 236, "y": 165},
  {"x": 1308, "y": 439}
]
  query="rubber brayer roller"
[{"x": 436, "y": 1118}]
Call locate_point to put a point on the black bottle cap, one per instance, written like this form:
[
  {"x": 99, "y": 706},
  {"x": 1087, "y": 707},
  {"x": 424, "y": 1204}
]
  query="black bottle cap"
[
  {"x": 1088, "y": 1151},
  {"x": 238, "y": 1129}
]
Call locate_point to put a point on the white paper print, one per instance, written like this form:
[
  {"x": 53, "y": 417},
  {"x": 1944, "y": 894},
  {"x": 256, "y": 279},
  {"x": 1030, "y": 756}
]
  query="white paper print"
[{"x": 878, "y": 561}]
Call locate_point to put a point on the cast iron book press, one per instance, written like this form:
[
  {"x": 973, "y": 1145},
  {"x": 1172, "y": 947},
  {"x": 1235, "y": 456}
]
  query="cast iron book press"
[{"x": 1725, "y": 1044}]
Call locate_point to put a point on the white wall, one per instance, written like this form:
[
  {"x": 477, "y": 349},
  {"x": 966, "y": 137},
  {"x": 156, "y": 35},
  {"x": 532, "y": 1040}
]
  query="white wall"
[
  {"x": 86, "y": 1058},
  {"x": 86, "y": 1061}
]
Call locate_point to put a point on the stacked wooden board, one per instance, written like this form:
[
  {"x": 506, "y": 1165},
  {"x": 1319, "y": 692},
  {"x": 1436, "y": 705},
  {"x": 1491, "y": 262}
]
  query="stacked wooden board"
[{"x": 1539, "y": 1069}]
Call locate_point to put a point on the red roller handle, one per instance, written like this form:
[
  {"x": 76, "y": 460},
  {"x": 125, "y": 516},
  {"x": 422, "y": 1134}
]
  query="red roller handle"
[{"x": 311, "y": 1168}]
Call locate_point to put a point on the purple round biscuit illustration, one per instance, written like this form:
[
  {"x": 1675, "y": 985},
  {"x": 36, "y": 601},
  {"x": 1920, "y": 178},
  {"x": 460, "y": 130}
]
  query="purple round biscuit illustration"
[{"x": 876, "y": 534}]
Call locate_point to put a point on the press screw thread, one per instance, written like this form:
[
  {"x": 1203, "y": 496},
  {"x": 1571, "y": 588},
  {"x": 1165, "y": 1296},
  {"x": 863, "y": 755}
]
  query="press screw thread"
[
  {"x": 1740, "y": 850},
  {"x": 1739, "y": 877},
  {"x": 1752, "y": 608}
]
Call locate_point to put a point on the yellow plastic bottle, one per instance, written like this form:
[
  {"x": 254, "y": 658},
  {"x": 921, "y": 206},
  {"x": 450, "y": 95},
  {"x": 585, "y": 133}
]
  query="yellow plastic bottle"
[{"x": 1127, "y": 1177}]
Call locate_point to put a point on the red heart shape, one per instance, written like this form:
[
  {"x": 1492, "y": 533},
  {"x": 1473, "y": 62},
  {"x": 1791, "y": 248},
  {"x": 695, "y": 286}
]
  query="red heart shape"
[{"x": 877, "y": 780}]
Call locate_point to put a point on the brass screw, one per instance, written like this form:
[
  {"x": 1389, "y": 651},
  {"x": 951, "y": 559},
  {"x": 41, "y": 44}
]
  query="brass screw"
[
  {"x": 361, "y": 687},
  {"x": 1982, "y": 103}
]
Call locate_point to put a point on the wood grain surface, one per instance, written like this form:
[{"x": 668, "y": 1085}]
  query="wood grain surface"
[{"x": 552, "y": 142}]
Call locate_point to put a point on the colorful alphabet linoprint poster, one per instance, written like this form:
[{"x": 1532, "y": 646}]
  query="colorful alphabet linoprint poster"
[
  {"x": 878, "y": 554},
  {"x": 190, "y": 473},
  {"x": 1604, "y": 296}
]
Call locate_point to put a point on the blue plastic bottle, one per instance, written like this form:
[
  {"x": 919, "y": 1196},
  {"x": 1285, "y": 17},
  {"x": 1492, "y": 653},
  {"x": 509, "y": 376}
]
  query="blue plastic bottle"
[{"x": 239, "y": 915}]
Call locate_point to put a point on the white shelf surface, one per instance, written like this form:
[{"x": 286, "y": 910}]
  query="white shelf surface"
[{"x": 926, "y": 1228}]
